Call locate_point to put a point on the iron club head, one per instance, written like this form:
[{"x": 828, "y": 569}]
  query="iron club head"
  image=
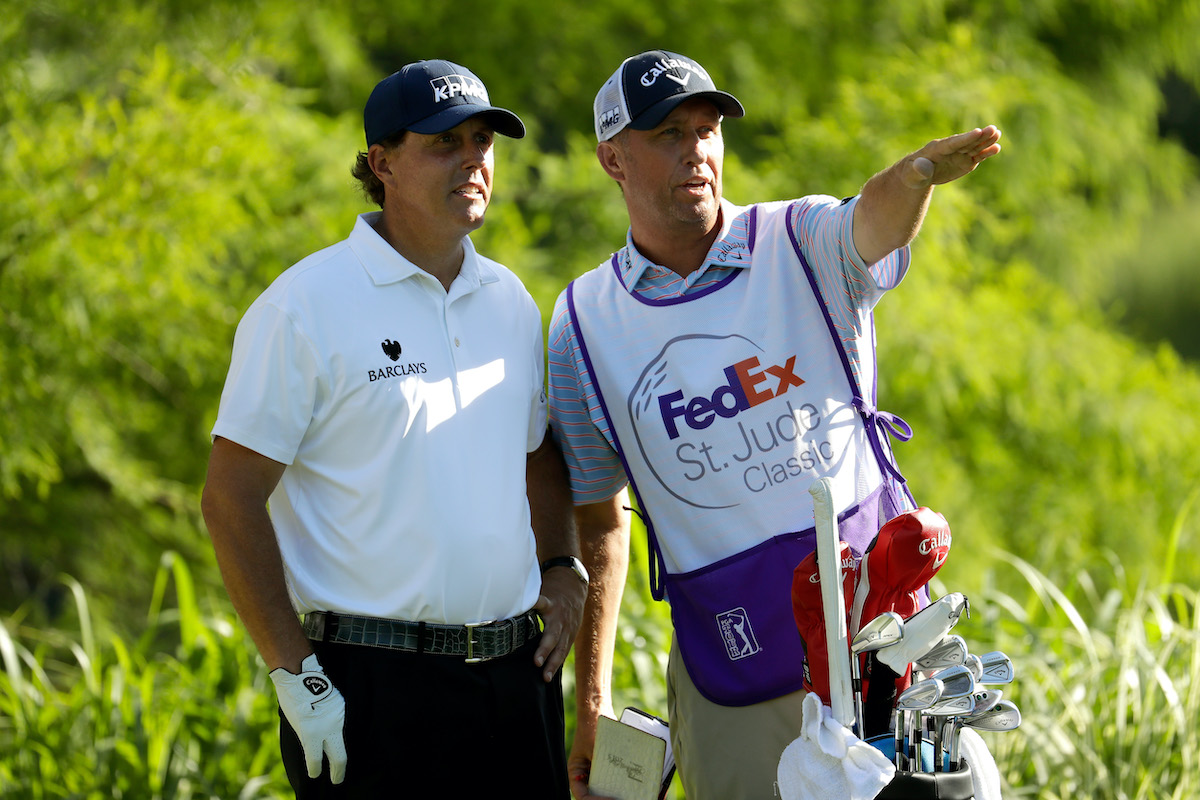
[
  {"x": 950, "y": 651},
  {"x": 957, "y": 681},
  {"x": 997, "y": 667},
  {"x": 923, "y": 630},
  {"x": 884, "y": 630},
  {"x": 1004, "y": 716}
]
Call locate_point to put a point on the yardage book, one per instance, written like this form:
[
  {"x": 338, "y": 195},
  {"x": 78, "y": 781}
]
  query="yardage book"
[{"x": 632, "y": 759}]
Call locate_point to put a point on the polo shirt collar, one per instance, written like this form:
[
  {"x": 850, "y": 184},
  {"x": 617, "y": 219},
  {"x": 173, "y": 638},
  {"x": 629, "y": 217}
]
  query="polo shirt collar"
[
  {"x": 385, "y": 265},
  {"x": 730, "y": 249}
]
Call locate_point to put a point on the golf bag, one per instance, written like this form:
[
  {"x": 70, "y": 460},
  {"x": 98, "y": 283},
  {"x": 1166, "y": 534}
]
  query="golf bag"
[{"x": 931, "y": 786}]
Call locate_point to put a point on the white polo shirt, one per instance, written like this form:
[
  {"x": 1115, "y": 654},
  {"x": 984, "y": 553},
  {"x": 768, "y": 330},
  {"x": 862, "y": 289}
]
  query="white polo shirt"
[{"x": 404, "y": 414}]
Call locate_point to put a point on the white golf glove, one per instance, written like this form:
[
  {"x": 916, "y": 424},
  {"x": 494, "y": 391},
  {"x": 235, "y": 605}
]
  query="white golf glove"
[{"x": 317, "y": 712}]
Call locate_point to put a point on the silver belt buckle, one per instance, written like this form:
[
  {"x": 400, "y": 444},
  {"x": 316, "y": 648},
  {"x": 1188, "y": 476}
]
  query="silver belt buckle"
[{"x": 471, "y": 657}]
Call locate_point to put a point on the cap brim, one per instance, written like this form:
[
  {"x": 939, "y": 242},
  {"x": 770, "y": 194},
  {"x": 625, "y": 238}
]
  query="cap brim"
[
  {"x": 501, "y": 120},
  {"x": 726, "y": 103}
]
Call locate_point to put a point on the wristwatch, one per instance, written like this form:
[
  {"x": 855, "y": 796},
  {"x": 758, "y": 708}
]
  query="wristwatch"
[{"x": 571, "y": 562}]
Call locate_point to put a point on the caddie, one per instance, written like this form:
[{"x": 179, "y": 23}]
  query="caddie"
[{"x": 718, "y": 363}]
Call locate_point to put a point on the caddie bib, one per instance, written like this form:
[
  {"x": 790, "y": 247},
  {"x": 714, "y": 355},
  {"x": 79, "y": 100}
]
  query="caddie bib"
[{"x": 724, "y": 406}]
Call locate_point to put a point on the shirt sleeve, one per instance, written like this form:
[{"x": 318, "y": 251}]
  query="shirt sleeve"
[
  {"x": 537, "y": 400},
  {"x": 576, "y": 419},
  {"x": 824, "y": 226},
  {"x": 271, "y": 390}
]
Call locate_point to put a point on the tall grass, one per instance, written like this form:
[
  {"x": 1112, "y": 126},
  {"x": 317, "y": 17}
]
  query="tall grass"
[
  {"x": 185, "y": 711},
  {"x": 1108, "y": 682}
]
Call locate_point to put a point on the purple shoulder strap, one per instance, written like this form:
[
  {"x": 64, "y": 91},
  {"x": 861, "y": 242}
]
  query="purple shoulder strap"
[
  {"x": 878, "y": 423},
  {"x": 657, "y": 566}
]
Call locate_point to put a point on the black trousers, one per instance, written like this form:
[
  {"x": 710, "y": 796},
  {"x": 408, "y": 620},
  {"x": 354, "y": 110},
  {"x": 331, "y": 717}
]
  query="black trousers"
[{"x": 422, "y": 726}]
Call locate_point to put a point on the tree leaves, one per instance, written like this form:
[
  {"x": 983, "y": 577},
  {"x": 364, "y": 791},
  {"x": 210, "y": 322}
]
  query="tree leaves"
[{"x": 162, "y": 164}]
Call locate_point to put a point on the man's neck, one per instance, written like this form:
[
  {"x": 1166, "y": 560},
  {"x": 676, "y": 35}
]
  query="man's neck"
[
  {"x": 440, "y": 256},
  {"x": 680, "y": 248}
]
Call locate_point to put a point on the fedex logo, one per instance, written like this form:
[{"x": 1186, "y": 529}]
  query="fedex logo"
[
  {"x": 747, "y": 385},
  {"x": 449, "y": 86}
]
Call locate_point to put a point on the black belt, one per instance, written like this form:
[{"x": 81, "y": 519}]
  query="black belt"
[{"x": 473, "y": 642}]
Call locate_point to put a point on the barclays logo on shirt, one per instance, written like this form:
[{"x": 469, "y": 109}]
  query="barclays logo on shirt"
[{"x": 393, "y": 350}]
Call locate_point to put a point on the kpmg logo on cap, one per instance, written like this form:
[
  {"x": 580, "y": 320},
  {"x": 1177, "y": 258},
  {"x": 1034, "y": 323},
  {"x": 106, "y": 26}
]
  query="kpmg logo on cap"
[
  {"x": 609, "y": 118},
  {"x": 448, "y": 87},
  {"x": 663, "y": 66}
]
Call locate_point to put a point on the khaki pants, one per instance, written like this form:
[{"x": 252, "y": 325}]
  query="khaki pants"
[{"x": 727, "y": 752}]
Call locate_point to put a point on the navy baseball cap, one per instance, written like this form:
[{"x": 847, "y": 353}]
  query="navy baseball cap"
[
  {"x": 431, "y": 97},
  {"x": 646, "y": 87}
]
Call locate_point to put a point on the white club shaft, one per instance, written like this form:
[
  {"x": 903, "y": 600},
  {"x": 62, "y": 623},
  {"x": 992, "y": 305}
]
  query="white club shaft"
[{"x": 833, "y": 602}]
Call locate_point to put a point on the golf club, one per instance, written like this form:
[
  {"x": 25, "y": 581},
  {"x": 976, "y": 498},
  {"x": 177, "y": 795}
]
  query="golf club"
[
  {"x": 958, "y": 688},
  {"x": 884, "y": 630},
  {"x": 920, "y": 695},
  {"x": 947, "y": 707},
  {"x": 923, "y": 630},
  {"x": 997, "y": 668},
  {"x": 985, "y": 701},
  {"x": 1004, "y": 716},
  {"x": 949, "y": 652}
]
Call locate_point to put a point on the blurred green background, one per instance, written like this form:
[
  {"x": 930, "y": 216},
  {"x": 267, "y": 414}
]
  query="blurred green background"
[{"x": 162, "y": 162}]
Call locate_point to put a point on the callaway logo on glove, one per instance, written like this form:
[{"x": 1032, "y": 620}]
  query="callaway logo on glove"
[
  {"x": 316, "y": 684},
  {"x": 317, "y": 712}
]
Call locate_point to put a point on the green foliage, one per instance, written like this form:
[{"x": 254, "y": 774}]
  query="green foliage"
[
  {"x": 185, "y": 710},
  {"x": 163, "y": 162},
  {"x": 1045, "y": 394},
  {"x": 152, "y": 191},
  {"x": 1108, "y": 684},
  {"x": 142, "y": 214}
]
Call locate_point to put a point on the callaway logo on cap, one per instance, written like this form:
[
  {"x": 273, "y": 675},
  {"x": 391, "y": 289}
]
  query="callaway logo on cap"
[
  {"x": 431, "y": 97},
  {"x": 646, "y": 87}
]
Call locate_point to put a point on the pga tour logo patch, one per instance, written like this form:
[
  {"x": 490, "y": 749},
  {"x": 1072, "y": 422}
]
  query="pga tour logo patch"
[{"x": 737, "y": 634}]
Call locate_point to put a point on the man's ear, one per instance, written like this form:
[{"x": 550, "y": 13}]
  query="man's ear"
[
  {"x": 612, "y": 160},
  {"x": 380, "y": 161}
]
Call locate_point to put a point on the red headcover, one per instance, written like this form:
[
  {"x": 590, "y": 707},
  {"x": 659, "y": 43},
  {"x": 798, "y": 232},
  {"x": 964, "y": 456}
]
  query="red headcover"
[
  {"x": 905, "y": 554},
  {"x": 810, "y": 620}
]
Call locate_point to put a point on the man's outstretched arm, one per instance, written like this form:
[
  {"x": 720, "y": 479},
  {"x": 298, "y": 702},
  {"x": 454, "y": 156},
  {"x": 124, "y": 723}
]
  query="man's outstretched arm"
[{"x": 892, "y": 204}]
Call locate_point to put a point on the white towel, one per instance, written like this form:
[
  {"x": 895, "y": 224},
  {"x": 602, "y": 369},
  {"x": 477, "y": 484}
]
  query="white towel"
[
  {"x": 984, "y": 772},
  {"x": 828, "y": 762}
]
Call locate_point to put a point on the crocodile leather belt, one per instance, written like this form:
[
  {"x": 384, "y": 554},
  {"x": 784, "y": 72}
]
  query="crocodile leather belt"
[{"x": 472, "y": 642}]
